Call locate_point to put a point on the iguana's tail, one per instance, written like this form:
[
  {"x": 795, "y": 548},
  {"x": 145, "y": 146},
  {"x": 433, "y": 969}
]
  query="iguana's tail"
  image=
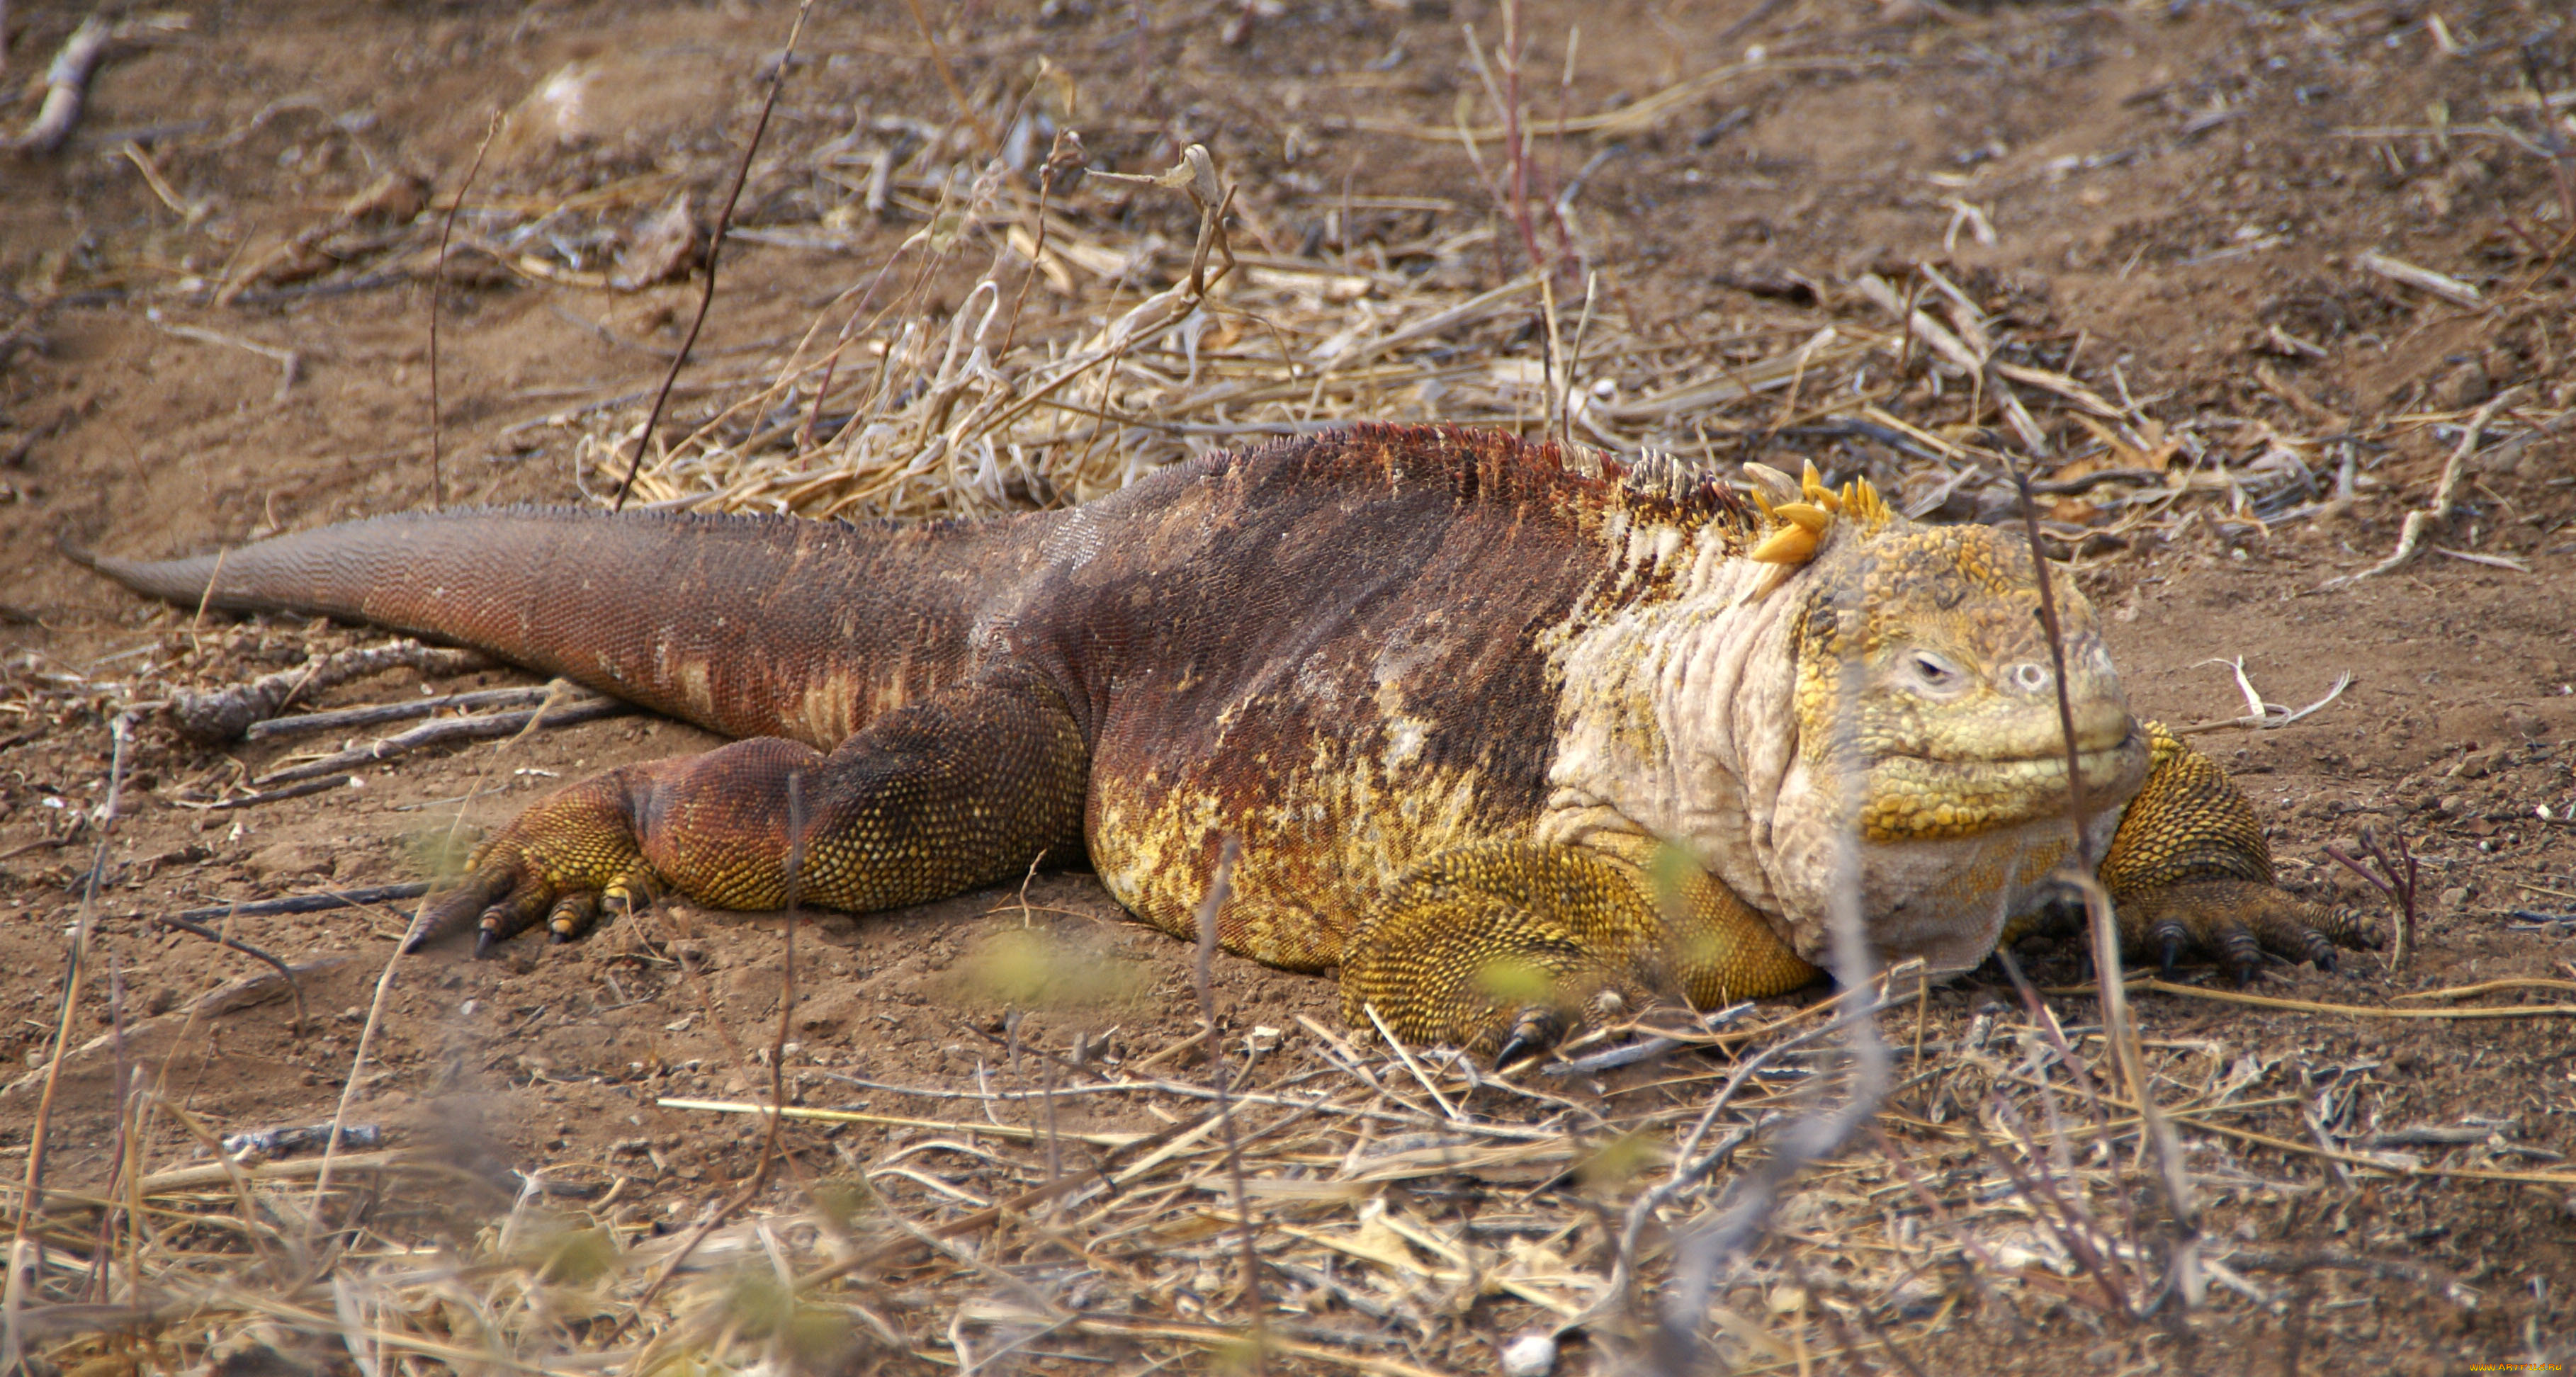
[{"x": 746, "y": 625}]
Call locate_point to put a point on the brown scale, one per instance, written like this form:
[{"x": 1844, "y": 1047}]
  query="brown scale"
[{"x": 1330, "y": 648}]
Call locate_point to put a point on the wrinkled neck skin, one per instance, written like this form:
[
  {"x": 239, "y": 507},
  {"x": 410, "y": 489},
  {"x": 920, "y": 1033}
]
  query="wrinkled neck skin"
[{"x": 1678, "y": 726}]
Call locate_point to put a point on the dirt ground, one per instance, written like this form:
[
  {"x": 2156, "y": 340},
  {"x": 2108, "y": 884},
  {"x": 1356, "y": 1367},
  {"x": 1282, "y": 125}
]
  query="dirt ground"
[{"x": 2188, "y": 188}]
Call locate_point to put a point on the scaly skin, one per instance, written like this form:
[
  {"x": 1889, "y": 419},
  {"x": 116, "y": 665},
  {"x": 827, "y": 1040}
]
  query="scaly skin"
[{"x": 1509, "y": 746}]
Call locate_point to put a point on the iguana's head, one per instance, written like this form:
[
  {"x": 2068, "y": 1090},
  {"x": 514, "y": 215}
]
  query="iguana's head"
[
  {"x": 1722, "y": 711},
  {"x": 1924, "y": 673},
  {"x": 1924, "y": 649}
]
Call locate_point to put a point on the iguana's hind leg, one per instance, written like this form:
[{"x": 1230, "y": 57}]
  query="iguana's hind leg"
[
  {"x": 1511, "y": 946},
  {"x": 960, "y": 790},
  {"x": 2189, "y": 868}
]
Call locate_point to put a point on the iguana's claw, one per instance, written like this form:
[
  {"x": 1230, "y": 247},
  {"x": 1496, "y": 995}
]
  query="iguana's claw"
[
  {"x": 2239, "y": 922},
  {"x": 447, "y": 910},
  {"x": 517, "y": 911},
  {"x": 2168, "y": 937},
  {"x": 2244, "y": 955},
  {"x": 1534, "y": 1030}
]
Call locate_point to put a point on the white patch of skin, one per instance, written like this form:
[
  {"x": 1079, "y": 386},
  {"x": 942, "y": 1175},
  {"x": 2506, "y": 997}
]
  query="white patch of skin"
[
  {"x": 1678, "y": 726},
  {"x": 1662, "y": 734},
  {"x": 1075, "y": 541}
]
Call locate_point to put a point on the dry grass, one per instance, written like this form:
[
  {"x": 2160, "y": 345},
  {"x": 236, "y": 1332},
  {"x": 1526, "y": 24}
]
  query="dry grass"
[
  {"x": 1125, "y": 351},
  {"x": 1406, "y": 1209}
]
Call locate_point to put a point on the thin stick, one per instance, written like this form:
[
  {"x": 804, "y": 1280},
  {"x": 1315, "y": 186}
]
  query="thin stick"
[
  {"x": 401, "y": 710},
  {"x": 947, "y": 75},
  {"x": 349, "y": 1087},
  {"x": 75, "y": 964},
  {"x": 437, "y": 294},
  {"x": 206, "y": 599},
  {"x": 2116, "y": 1016},
  {"x": 2399, "y": 885},
  {"x": 66, "y": 86},
  {"x": 439, "y": 732},
  {"x": 2153, "y": 985},
  {"x": 183, "y": 924},
  {"x": 1574, "y": 361},
  {"x": 715, "y": 249},
  {"x": 1203, "y": 976},
  {"x": 2411, "y": 533}
]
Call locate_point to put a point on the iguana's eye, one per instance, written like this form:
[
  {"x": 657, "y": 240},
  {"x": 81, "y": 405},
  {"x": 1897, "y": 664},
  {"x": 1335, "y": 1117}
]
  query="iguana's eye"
[{"x": 1930, "y": 673}]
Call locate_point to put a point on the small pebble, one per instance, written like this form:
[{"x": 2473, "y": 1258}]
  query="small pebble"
[
  {"x": 2455, "y": 898},
  {"x": 2463, "y": 387},
  {"x": 1531, "y": 1355}
]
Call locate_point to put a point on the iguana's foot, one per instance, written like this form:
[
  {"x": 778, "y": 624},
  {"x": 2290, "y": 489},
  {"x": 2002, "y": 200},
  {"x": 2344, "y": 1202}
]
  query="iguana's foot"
[
  {"x": 962, "y": 789},
  {"x": 1508, "y": 948},
  {"x": 554, "y": 862},
  {"x": 2239, "y": 922},
  {"x": 2189, "y": 869}
]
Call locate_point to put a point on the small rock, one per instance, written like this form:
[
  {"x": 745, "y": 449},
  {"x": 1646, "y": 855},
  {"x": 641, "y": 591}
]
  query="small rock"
[
  {"x": 665, "y": 249},
  {"x": 2463, "y": 387},
  {"x": 1531, "y": 1355},
  {"x": 2455, "y": 898}
]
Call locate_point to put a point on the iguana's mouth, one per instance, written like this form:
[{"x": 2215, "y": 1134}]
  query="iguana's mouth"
[
  {"x": 2087, "y": 758},
  {"x": 1923, "y": 797}
]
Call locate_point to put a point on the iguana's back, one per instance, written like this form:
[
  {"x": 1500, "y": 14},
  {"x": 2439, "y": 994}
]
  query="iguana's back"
[{"x": 1330, "y": 650}]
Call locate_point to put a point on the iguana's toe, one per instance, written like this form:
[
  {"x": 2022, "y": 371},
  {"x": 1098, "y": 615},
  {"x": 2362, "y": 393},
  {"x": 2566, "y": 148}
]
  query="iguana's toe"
[
  {"x": 572, "y": 918},
  {"x": 449, "y": 910},
  {"x": 2239, "y": 922},
  {"x": 517, "y": 911},
  {"x": 1535, "y": 1029},
  {"x": 2169, "y": 938}
]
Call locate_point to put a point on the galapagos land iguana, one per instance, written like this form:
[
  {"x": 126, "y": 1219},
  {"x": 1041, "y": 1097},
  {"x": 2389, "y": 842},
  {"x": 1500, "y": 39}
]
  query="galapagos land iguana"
[{"x": 1475, "y": 717}]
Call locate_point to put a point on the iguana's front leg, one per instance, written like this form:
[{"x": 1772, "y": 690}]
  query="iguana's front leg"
[
  {"x": 1510, "y": 946},
  {"x": 957, "y": 791},
  {"x": 2189, "y": 868}
]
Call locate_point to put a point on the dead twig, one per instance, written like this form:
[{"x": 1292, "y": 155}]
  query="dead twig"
[
  {"x": 1220, "y": 886},
  {"x": 188, "y": 925},
  {"x": 446, "y": 730},
  {"x": 374, "y": 714},
  {"x": 2443, "y": 285},
  {"x": 2397, "y": 877},
  {"x": 26, "y": 1255},
  {"x": 437, "y": 299},
  {"x": 302, "y": 903},
  {"x": 2259, "y": 714},
  {"x": 2411, "y": 532},
  {"x": 66, "y": 86},
  {"x": 221, "y": 716},
  {"x": 290, "y": 364},
  {"x": 715, "y": 249}
]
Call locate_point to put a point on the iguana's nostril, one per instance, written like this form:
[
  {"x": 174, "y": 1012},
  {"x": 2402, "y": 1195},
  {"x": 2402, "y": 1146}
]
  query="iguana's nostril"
[{"x": 2029, "y": 676}]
